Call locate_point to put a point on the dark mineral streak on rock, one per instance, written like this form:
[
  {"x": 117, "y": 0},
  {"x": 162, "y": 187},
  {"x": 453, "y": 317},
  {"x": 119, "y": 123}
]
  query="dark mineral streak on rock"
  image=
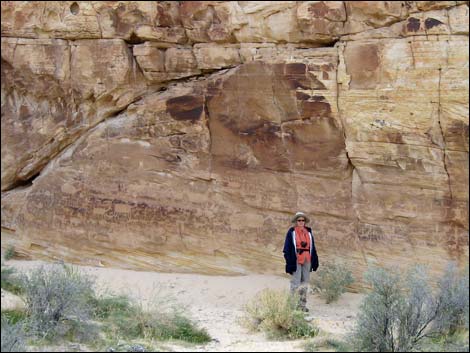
[{"x": 185, "y": 107}]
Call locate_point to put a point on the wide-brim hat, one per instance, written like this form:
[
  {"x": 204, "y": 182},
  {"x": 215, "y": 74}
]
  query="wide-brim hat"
[{"x": 298, "y": 215}]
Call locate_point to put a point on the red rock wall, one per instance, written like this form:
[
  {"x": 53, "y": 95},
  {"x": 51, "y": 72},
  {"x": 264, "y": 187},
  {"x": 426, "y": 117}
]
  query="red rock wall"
[{"x": 166, "y": 135}]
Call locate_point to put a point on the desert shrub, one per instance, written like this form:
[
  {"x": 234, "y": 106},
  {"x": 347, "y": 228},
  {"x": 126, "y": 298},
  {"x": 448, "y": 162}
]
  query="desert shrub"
[
  {"x": 10, "y": 280},
  {"x": 126, "y": 318},
  {"x": 379, "y": 318},
  {"x": 400, "y": 312},
  {"x": 13, "y": 336},
  {"x": 331, "y": 281},
  {"x": 452, "y": 298},
  {"x": 56, "y": 300},
  {"x": 9, "y": 252},
  {"x": 457, "y": 342},
  {"x": 277, "y": 313}
]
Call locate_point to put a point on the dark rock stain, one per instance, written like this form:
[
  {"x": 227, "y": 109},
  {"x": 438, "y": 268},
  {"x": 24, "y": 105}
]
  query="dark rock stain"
[
  {"x": 328, "y": 67},
  {"x": 458, "y": 129},
  {"x": 395, "y": 137},
  {"x": 314, "y": 67},
  {"x": 413, "y": 24},
  {"x": 228, "y": 122},
  {"x": 296, "y": 69},
  {"x": 318, "y": 9},
  {"x": 163, "y": 18},
  {"x": 296, "y": 82},
  {"x": 185, "y": 107},
  {"x": 234, "y": 163},
  {"x": 318, "y": 98},
  {"x": 370, "y": 57},
  {"x": 316, "y": 109},
  {"x": 432, "y": 22},
  {"x": 302, "y": 96},
  {"x": 24, "y": 113},
  {"x": 278, "y": 69},
  {"x": 121, "y": 27},
  {"x": 315, "y": 82}
]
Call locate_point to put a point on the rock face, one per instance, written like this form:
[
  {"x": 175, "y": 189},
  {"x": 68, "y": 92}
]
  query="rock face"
[{"x": 182, "y": 136}]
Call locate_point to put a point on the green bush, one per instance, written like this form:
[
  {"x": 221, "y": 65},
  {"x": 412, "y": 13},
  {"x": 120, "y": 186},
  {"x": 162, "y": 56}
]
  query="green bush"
[
  {"x": 10, "y": 280},
  {"x": 177, "y": 326},
  {"x": 13, "y": 336},
  {"x": 9, "y": 252},
  {"x": 105, "y": 306},
  {"x": 56, "y": 300},
  {"x": 453, "y": 301},
  {"x": 457, "y": 342},
  {"x": 400, "y": 313},
  {"x": 277, "y": 314},
  {"x": 14, "y": 316},
  {"x": 331, "y": 281},
  {"x": 126, "y": 318}
]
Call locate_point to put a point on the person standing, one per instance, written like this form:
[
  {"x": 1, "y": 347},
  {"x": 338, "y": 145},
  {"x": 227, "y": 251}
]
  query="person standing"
[{"x": 301, "y": 256}]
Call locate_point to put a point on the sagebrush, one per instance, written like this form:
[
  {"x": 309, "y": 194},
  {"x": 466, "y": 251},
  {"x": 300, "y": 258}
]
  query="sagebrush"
[
  {"x": 453, "y": 299},
  {"x": 57, "y": 299},
  {"x": 13, "y": 336},
  {"x": 331, "y": 281},
  {"x": 401, "y": 311}
]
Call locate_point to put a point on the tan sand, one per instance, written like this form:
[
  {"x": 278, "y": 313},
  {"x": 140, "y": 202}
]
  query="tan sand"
[{"x": 215, "y": 303}]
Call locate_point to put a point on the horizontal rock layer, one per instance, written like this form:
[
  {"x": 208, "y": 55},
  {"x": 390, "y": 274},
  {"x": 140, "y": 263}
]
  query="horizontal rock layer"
[{"x": 182, "y": 136}]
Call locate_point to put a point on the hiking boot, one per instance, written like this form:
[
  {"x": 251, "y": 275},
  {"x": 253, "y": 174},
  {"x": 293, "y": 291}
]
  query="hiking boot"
[{"x": 304, "y": 309}]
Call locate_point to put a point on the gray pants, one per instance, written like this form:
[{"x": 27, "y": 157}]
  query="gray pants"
[{"x": 299, "y": 282}]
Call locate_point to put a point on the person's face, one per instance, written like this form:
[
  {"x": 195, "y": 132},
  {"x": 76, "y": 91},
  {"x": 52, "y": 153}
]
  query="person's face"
[{"x": 301, "y": 221}]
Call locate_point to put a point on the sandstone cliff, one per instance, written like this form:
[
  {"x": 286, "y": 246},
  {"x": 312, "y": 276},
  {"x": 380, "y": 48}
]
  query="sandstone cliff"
[{"x": 182, "y": 136}]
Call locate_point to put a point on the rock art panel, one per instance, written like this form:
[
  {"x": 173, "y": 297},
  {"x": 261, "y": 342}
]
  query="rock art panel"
[{"x": 181, "y": 136}]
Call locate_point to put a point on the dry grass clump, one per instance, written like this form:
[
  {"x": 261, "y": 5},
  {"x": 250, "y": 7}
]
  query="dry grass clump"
[{"x": 277, "y": 314}]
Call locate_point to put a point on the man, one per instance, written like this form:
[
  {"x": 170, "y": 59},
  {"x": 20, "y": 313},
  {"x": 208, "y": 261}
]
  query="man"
[{"x": 301, "y": 256}]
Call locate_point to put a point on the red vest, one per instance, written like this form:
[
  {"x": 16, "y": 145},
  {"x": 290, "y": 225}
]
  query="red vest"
[{"x": 302, "y": 244}]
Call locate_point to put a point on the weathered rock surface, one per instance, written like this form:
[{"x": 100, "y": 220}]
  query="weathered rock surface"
[{"x": 182, "y": 136}]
